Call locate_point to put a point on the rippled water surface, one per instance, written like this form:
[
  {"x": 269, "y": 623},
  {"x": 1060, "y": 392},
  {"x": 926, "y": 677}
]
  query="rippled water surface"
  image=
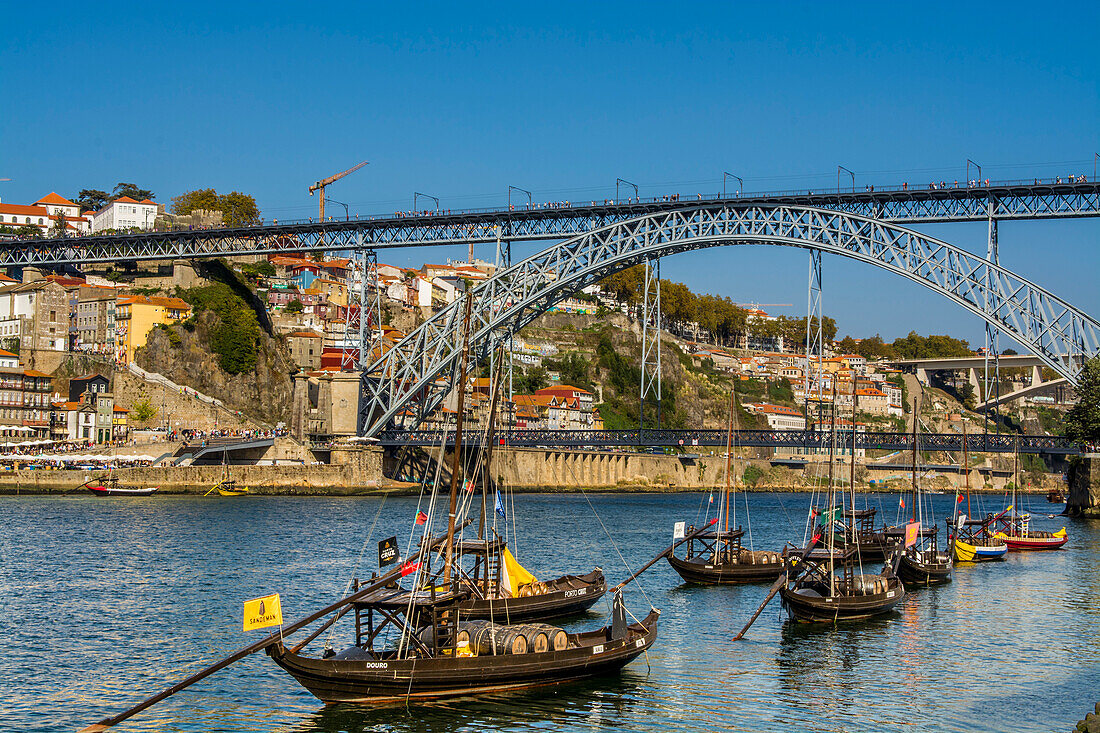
[{"x": 103, "y": 601}]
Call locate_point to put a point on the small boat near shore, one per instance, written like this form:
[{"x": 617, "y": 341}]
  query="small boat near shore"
[{"x": 111, "y": 487}]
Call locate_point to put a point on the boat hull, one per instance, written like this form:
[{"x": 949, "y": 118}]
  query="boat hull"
[
  {"x": 698, "y": 571},
  {"x": 573, "y": 594},
  {"x": 915, "y": 573},
  {"x": 1029, "y": 544},
  {"x": 104, "y": 491},
  {"x": 388, "y": 681},
  {"x": 806, "y": 608},
  {"x": 966, "y": 552}
]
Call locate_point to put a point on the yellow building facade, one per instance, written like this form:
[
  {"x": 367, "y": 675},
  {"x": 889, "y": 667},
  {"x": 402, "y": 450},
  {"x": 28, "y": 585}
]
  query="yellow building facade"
[{"x": 137, "y": 315}]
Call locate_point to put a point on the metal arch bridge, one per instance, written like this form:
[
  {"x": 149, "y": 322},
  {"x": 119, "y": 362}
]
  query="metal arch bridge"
[
  {"x": 417, "y": 372},
  {"x": 807, "y": 440},
  {"x": 997, "y": 201}
]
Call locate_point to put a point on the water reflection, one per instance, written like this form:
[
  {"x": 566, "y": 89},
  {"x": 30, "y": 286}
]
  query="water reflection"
[{"x": 593, "y": 704}]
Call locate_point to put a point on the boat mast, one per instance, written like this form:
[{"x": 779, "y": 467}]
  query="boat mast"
[
  {"x": 487, "y": 476},
  {"x": 456, "y": 464},
  {"x": 966, "y": 469},
  {"x": 832, "y": 494},
  {"x": 916, "y": 422},
  {"x": 1015, "y": 469},
  {"x": 729, "y": 453},
  {"x": 852, "y": 471}
]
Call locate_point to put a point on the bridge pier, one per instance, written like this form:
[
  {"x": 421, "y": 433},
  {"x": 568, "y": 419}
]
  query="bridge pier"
[{"x": 1084, "y": 486}]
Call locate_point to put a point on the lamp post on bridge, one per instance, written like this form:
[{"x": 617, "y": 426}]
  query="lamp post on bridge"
[
  {"x": 530, "y": 200},
  {"x": 740, "y": 183},
  {"x": 347, "y": 216},
  {"x": 623, "y": 180},
  {"x": 840, "y": 168},
  {"x": 969, "y": 163},
  {"x": 417, "y": 194}
]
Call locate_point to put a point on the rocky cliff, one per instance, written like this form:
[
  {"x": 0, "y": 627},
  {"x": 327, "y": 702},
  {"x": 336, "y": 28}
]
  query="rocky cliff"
[{"x": 185, "y": 357}]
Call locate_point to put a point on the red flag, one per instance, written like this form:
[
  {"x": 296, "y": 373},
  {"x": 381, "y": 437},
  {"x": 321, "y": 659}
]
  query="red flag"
[
  {"x": 958, "y": 498},
  {"x": 421, "y": 518},
  {"x": 814, "y": 539},
  {"x": 912, "y": 532},
  {"x": 813, "y": 512},
  {"x": 409, "y": 567},
  {"x": 713, "y": 521},
  {"x": 902, "y": 501}
]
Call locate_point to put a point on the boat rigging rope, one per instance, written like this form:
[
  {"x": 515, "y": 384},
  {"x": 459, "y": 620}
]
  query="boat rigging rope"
[
  {"x": 358, "y": 563},
  {"x": 608, "y": 533}
]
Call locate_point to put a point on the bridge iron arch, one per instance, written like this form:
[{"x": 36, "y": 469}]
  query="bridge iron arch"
[{"x": 417, "y": 372}]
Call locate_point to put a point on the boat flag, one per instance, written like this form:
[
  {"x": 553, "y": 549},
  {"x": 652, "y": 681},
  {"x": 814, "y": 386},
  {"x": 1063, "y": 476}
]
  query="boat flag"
[
  {"x": 387, "y": 552},
  {"x": 958, "y": 499},
  {"x": 500, "y": 506},
  {"x": 912, "y": 531},
  {"x": 901, "y": 501},
  {"x": 678, "y": 531},
  {"x": 711, "y": 501},
  {"x": 813, "y": 512},
  {"x": 421, "y": 517},
  {"x": 409, "y": 568},
  {"x": 260, "y": 613}
]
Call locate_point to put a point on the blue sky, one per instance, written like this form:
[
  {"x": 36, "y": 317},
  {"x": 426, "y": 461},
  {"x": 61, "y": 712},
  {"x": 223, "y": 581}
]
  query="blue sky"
[{"x": 562, "y": 99}]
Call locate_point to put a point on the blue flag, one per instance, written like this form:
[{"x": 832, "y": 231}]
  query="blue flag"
[{"x": 500, "y": 506}]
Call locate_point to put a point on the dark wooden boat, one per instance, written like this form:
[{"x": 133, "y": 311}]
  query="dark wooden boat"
[
  {"x": 922, "y": 564},
  {"x": 828, "y": 583},
  {"x": 718, "y": 557},
  {"x": 919, "y": 561},
  {"x": 442, "y": 664},
  {"x": 818, "y": 594},
  {"x": 482, "y": 569}
]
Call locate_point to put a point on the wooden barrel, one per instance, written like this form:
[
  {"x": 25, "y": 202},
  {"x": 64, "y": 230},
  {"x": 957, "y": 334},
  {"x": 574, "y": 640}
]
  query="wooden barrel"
[
  {"x": 497, "y": 639},
  {"x": 557, "y": 639},
  {"x": 537, "y": 639}
]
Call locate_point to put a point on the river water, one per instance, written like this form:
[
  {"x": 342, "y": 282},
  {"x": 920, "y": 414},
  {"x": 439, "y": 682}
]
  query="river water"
[{"x": 103, "y": 601}]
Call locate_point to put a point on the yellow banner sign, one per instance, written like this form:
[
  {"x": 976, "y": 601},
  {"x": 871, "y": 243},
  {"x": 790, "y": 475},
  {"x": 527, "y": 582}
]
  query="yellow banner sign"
[{"x": 262, "y": 612}]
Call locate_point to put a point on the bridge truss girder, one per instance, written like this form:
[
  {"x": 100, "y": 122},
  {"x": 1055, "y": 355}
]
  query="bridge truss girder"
[
  {"x": 417, "y": 368},
  {"x": 1003, "y": 202}
]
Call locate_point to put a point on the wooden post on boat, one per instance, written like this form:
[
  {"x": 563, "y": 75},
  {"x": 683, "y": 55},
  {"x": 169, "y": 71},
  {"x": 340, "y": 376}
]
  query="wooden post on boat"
[
  {"x": 456, "y": 465},
  {"x": 916, "y": 423}
]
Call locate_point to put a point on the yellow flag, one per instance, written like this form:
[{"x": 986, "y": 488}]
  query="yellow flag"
[
  {"x": 263, "y": 612},
  {"x": 517, "y": 574}
]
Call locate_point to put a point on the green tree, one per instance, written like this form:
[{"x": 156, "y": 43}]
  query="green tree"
[
  {"x": 1083, "y": 420},
  {"x": 295, "y": 306},
  {"x": 236, "y": 333},
  {"x": 91, "y": 199},
  {"x": 238, "y": 209},
  {"x": 203, "y": 198},
  {"x": 129, "y": 189},
  {"x": 144, "y": 411},
  {"x": 60, "y": 224}
]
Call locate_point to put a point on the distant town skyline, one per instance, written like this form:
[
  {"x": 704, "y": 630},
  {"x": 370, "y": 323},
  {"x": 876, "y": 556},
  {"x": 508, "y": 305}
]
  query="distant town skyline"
[{"x": 461, "y": 103}]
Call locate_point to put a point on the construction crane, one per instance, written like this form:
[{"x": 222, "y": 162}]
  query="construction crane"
[{"x": 320, "y": 186}]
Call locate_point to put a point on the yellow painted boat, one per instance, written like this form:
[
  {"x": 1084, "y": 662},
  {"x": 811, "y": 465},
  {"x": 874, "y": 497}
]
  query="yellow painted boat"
[{"x": 966, "y": 552}]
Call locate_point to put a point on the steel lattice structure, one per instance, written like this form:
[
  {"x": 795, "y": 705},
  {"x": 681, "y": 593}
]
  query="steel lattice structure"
[
  {"x": 416, "y": 372},
  {"x": 1019, "y": 200},
  {"x": 815, "y": 440}
]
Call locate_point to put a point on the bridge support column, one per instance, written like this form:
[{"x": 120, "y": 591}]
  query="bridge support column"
[
  {"x": 992, "y": 333},
  {"x": 651, "y": 340},
  {"x": 972, "y": 377}
]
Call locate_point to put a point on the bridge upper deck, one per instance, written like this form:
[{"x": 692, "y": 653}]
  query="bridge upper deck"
[{"x": 558, "y": 220}]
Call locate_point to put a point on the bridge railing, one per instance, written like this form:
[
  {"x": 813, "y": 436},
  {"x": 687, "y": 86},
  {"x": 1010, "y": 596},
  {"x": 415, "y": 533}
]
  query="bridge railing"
[
  {"x": 805, "y": 440},
  {"x": 825, "y": 193}
]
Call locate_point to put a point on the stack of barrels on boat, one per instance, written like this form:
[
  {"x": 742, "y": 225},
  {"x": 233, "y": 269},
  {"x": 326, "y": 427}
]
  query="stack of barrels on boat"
[
  {"x": 486, "y": 637},
  {"x": 534, "y": 589},
  {"x": 759, "y": 557}
]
